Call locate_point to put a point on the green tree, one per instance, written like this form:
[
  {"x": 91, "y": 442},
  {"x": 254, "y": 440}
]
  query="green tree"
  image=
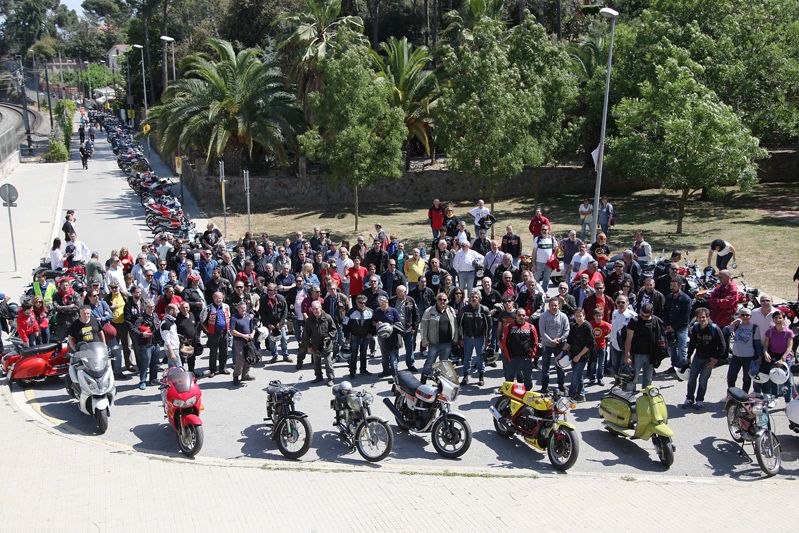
[
  {"x": 359, "y": 133},
  {"x": 225, "y": 105},
  {"x": 485, "y": 114},
  {"x": 680, "y": 133},
  {"x": 413, "y": 87}
]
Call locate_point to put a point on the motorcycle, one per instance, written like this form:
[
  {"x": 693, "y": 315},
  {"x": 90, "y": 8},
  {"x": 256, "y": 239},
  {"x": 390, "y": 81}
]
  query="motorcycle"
[
  {"x": 37, "y": 363},
  {"x": 182, "y": 401},
  {"x": 370, "y": 434},
  {"x": 639, "y": 415},
  {"x": 420, "y": 408},
  {"x": 90, "y": 380},
  {"x": 290, "y": 428},
  {"x": 749, "y": 421},
  {"x": 540, "y": 419}
]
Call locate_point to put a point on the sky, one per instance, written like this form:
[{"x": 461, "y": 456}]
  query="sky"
[{"x": 73, "y": 4}]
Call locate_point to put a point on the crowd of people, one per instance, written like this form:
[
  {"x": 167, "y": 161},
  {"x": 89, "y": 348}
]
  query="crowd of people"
[{"x": 466, "y": 297}]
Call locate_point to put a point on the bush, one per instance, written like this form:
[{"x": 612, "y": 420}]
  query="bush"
[
  {"x": 57, "y": 153},
  {"x": 65, "y": 109}
]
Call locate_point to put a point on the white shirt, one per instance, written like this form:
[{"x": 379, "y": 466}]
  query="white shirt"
[
  {"x": 479, "y": 213},
  {"x": 56, "y": 259},
  {"x": 618, "y": 321},
  {"x": 342, "y": 266},
  {"x": 580, "y": 262},
  {"x": 82, "y": 252},
  {"x": 585, "y": 211},
  {"x": 544, "y": 247},
  {"x": 138, "y": 271},
  {"x": 464, "y": 261},
  {"x": 117, "y": 275},
  {"x": 726, "y": 250},
  {"x": 762, "y": 321},
  {"x": 163, "y": 250}
]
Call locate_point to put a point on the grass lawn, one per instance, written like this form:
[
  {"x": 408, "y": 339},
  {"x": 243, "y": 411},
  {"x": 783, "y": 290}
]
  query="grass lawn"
[{"x": 754, "y": 222}]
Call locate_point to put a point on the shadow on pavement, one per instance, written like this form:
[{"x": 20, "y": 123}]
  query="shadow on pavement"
[{"x": 637, "y": 454}]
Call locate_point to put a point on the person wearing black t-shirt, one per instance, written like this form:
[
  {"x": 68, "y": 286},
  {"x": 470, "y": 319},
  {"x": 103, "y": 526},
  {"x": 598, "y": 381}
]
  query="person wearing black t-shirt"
[{"x": 85, "y": 329}]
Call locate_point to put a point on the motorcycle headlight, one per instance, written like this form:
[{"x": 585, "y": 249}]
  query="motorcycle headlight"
[
  {"x": 758, "y": 408},
  {"x": 187, "y": 403},
  {"x": 654, "y": 392},
  {"x": 563, "y": 404},
  {"x": 368, "y": 398},
  {"x": 297, "y": 397}
]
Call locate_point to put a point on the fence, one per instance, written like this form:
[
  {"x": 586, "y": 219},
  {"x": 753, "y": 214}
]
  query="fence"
[{"x": 8, "y": 143}]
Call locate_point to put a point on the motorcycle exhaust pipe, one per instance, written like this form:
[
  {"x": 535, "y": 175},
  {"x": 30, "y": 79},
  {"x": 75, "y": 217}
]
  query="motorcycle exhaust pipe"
[
  {"x": 493, "y": 410},
  {"x": 392, "y": 408}
]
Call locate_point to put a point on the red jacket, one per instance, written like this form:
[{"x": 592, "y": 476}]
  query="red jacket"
[
  {"x": 524, "y": 337},
  {"x": 436, "y": 217},
  {"x": 160, "y": 307},
  {"x": 243, "y": 276},
  {"x": 536, "y": 223},
  {"x": 597, "y": 276},
  {"x": 723, "y": 302},
  {"x": 590, "y": 304},
  {"x": 27, "y": 326}
]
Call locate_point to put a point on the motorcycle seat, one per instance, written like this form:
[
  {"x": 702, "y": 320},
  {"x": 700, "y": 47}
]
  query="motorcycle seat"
[
  {"x": 37, "y": 350},
  {"x": 738, "y": 394},
  {"x": 408, "y": 382},
  {"x": 624, "y": 395}
]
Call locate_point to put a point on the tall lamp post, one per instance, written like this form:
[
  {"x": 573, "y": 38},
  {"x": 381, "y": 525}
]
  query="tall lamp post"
[
  {"x": 88, "y": 79},
  {"x": 143, "y": 77},
  {"x": 167, "y": 39},
  {"x": 611, "y": 15}
]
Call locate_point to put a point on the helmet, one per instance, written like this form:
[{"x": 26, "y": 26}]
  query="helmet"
[
  {"x": 626, "y": 373},
  {"x": 682, "y": 373},
  {"x": 145, "y": 329},
  {"x": 779, "y": 373},
  {"x": 384, "y": 330},
  {"x": 792, "y": 411},
  {"x": 563, "y": 360},
  {"x": 70, "y": 249},
  {"x": 342, "y": 390},
  {"x": 193, "y": 277},
  {"x": 78, "y": 286},
  {"x": 761, "y": 378},
  {"x": 262, "y": 331},
  {"x": 490, "y": 356}
]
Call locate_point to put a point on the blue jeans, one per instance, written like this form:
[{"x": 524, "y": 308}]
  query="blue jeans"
[
  {"x": 736, "y": 365},
  {"x": 605, "y": 228},
  {"x": 586, "y": 224},
  {"x": 436, "y": 233},
  {"x": 615, "y": 359},
  {"x": 519, "y": 367},
  {"x": 596, "y": 368},
  {"x": 679, "y": 352},
  {"x": 545, "y": 360},
  {"x": 642, "y": 364},
  {"x": 271, "y": 342},
  {"x": 410, "y": 345},
  {"x": 473, "y": 344},
  {"x": 466, "y": 281},
  {"x": 577, "y": 386},
  {"x": 390, "y": 357},
  {"x": 441, "y": 351},
  {"x": 148, "y": 359},
  {"x": 358, "y": 347},
  {"x": 542, "y": 273},
  {"x": 700, "y": 371}
]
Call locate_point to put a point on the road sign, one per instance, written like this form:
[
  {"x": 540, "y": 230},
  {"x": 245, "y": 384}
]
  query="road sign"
[
  {"x": 178, "y": 165},
  {"x": 9, "y": 193}
]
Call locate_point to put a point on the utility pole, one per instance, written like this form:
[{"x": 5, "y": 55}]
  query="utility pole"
[
  {"x": 25, "y": 118},
  {"x": 61, "y": 74},
  {"x": 49, "y": 100}
]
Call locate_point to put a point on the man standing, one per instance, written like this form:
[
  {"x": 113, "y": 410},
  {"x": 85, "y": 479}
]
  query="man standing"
[
  {"x": 378, "y": 257},
  {"x": 493, "y": 259},
  {"x": 663, "y": 283},
  {"x": 676, "y": 316},
  {"x": 436, "y": 217},
  {"x": 632, "y": 268},
  {"x": 359, "y": 328},
  {"x": 215, "y": 320},
  {"x": 242, "y": 328},
  {"x": 69, "y": 225},
  {"x": 570, "y": 246},
  {"x": 85, "y": 329},
  {"x": 599, "y": 300},
  {"x": 317, "y": 335},
  {"x": 519, "y": 347},
  {"x": 554, "y": 328},
  {"x": 169, "y": 335},
  {"x": 474, "y": 325},
  {"x": 544, "y": 246},
  {"x": 393, "y": 278},
  {"x": 641, "y": 343},
  {"x": 439, "y": 329},
  {"x": 707, "y": 340},
  {"x": 465, "y": 263},
  {"x": 66, "y": 304},
  {"x": 389, "y": 346},
  {"x": 580, "y": 346},
  {"x": 581, "y": 291},
  {"x": 537, "y": 222},
  {"x": 649, "y": 295},
  {"x": 274, "y": 311},
  {"x": 409, "y": 317},
  {"x": 511, "y": 244},
  {"x": 616, "y": 279},
  {"x": 481, "y": 245},
  {"x": 641, "y": 249},
  {"x": 723, "y": 300},
  {"x": 414, "y": 268}
]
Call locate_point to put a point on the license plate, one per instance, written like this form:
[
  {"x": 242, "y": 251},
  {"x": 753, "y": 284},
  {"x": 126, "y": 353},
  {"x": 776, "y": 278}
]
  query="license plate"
[{"x": 762, "y": 420}]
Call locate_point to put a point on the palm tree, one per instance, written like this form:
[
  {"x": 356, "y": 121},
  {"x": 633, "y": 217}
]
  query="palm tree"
[
  {"x": 227, "y": 104},
  {"x": 586, "y": 56},
  {"x": 459, "y": 23},
  {"x": 414, "y": 86}
]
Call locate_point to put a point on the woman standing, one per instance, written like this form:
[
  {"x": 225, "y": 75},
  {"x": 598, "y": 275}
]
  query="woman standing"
[
  {"x": 777, "y": 346},
  {"x": 40, "y": 311},
  {"x": 586, "y": 217},
  {"x": 607, "y": 216},
  {"x": 56, "y": 255}
]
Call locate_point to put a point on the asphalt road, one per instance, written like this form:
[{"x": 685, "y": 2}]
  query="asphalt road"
[{"x": 109, "y": 216}]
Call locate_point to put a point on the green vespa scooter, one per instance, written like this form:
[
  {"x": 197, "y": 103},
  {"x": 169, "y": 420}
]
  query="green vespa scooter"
[{"x": 640, "y": 415}]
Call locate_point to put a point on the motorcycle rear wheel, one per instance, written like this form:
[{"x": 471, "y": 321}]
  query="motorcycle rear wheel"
[
  {"x": 374, "y": 439},
  {"x": 294, "y": 436},
  {"x": 190, "y": 440},
  {"x": 452, "y": 436},
  {"x": 665, "y": 450},
  {"x": 733, "y": 425},
  {"x": 502, "y": 429},
  {"x": 767, "y": 450},
  {"x": 563, "y": 451},
  {"x": 101, "y": 416}
]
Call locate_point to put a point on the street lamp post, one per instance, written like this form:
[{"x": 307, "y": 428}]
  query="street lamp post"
[
  {"x": 143, "y": 77},
  {"x": 25, "y": 118},
  {"x": 611, "y": 15},
  {"x": 167, "y": 39},
  {"x": 49, "y": 100},
  {"x": 88, "y": 79}
]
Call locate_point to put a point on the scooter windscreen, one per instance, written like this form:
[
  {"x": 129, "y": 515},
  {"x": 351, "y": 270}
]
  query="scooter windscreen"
[{"x": 94, "y": 356}]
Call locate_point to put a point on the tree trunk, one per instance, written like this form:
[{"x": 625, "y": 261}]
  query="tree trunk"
[
  {"x": 164, "y": 57},
  {"x": 407, "y": 155},
  {"x": 681, "y": 209},
  {"x": 356, "y": 206},
  {"x": 374, "y": 14},
  {"x": 435, "y": 23},
  {"x": 427, "y": 23},
  {"x": 705, "y": 196}
]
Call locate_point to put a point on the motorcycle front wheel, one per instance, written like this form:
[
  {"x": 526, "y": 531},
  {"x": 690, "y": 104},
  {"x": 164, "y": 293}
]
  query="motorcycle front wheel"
[
  {"x": 733, "y": 425},
  {"x": 452, "y": 436},
  {"x": 101, "y": 416},
  {"x": 502, "y": 405},
  {"x": 294, "y": 436},
  {"x": 767, "y": 450},
  {"x": 665, "y": 450},
  {"x": 190, "y": 439},
  {"x": 374, "y": 439},
  {"x": 563, "y": 449}
]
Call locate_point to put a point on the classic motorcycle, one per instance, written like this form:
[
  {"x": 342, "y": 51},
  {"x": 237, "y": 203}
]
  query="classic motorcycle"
[
  {"x": 182, "y": 401},
  {"x": 290, "y": 428},
  {"x": 749, "y": 421},
  {"x": 420, "y": 407},
  {"x": 540, "y": 419},
  {"x": 639, "y": 415},
  {"x": 370, "y": 434},
  {"x": 91, "y": 381},
  {"x": 27, "y": 366}
]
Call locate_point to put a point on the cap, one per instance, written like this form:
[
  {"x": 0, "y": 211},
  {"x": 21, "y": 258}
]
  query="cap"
[
  {"x": 193, "y": 277},
  {"x": 618, "y": 263}
]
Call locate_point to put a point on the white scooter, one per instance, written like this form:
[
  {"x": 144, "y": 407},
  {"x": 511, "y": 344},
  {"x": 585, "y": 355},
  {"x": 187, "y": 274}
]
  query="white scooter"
[{"x": 91, "y": 381}]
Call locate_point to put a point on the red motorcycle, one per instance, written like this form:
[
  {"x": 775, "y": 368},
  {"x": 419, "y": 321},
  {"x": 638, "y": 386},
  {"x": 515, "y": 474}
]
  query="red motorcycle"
[
  {"x": 37, "y": 363},
  {"x": 182, "y": 401}
]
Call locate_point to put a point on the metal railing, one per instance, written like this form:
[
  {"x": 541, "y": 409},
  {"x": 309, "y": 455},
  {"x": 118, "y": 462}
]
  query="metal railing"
[{"x": 8, "y": 143}]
